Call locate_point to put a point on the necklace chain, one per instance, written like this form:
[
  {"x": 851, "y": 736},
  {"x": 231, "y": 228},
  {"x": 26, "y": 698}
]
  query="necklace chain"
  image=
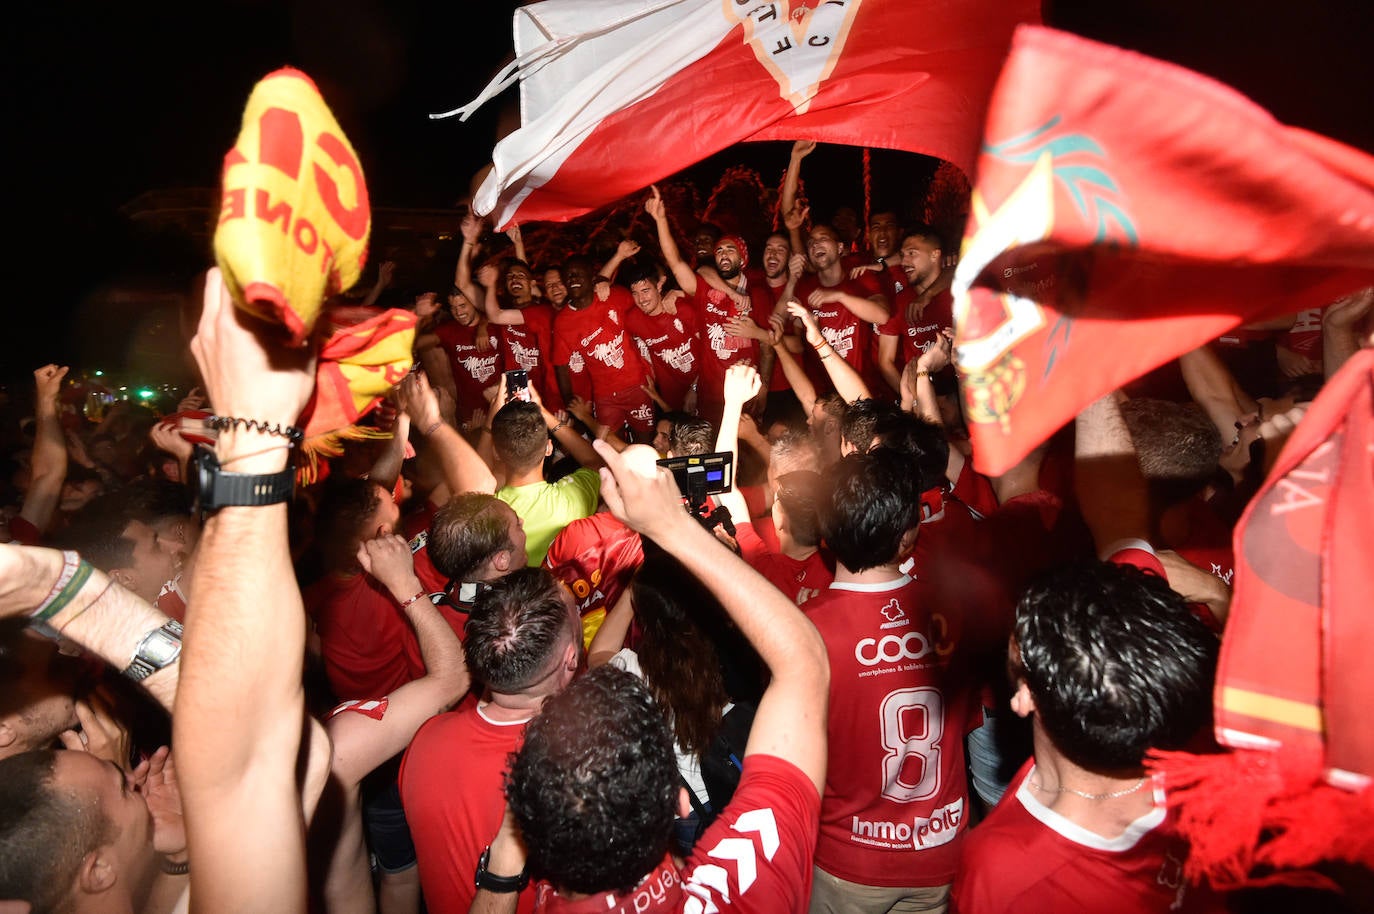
[{"x": 1089, "y": 796}]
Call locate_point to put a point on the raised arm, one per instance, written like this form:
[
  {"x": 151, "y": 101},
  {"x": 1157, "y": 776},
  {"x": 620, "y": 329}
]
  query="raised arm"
[
  {"x": 463, "y": 470},
  {"x": 361, "y": 743},
  {"x": 1341, "y": 329},
  {"x": 471, "y": 229},
  {"x": 791, "y": 718},
  {"x": 847, "y": 381},
  {"x": 742, "y": 384},
  {"x": 686, "y": 277},
  {"x": 623, "y": 252},
  {"x": 794, "y": 216},
  {"x": 385, "y": 271},
  {"x": 517, "y": 238},
  {"x": 1110, "y": 487},
  {"x": 487, "y": 277},
  {"x": 794, "y": 373},
  {"x": 49, "y": 460},
  {"x": 93, "y": 611},
  {"x": 240, "y": 711},
  {"x": 1211, "y": 384}
]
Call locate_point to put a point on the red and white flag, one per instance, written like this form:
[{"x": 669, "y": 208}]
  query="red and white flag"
[
  {"x": 1127, "y": 211},
  {"x": 616, "y": 94}
]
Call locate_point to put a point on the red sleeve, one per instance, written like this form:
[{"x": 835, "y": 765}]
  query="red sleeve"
[
  {"x": 562, "y": 347},
  {"x": 757, "y": 857},
  {"x": 24, "y": 533}
]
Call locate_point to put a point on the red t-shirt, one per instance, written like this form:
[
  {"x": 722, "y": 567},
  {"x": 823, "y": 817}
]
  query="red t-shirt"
[
  {"x": 800, "y": 580},
  {"x": 671, "y": 344},
  {"x": 1027, "y": 859},
  {"x": 896, "y": 794},
  {"x": 593, "y": 343},
  {"x": 527, "y": 346},
  {"x": 756, "y": 279},
  {"x": 368, "y": 645},
  {"x": 917, "y": 337},
  {"x": 754, "y": 859},
  {"x": 451, "y": 788},
  {"x": 719, "y": 349},
  {"x": 850, "y": 337},
  {"x": 473, "y": 370}
]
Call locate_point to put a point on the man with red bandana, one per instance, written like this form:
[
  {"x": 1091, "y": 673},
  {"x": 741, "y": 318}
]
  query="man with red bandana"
[{"x": 720, "y": 311}]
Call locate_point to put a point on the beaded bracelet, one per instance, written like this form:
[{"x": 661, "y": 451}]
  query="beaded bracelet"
[
  {"x": 75, "y": 573},
  {"x": 290, "y": 432}
]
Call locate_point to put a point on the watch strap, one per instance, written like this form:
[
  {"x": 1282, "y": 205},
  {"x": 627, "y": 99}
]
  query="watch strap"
[
  {"x": 246, "y": 489},
  {"x": 142, "y": 665},
  {"x": 501, "y": 885}
]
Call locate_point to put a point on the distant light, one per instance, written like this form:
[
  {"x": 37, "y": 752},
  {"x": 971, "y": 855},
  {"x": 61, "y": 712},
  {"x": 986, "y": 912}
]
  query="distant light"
[
  {"x": 146, "y": 394},
  {"x": 123, "y": 388},
  {"x": 99, "y": 374}
]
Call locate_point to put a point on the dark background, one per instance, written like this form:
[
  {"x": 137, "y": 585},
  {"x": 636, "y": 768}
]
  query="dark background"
[{"x": 111, "y": 101}]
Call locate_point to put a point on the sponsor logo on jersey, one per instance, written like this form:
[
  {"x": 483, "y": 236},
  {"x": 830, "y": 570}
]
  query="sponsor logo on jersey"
[
  {"x": 841, "y": 339},
  {"x": 589, "y": 337},
  {"x": 894, "y": 614},
  {"x": 893, "y": 648},
  {"x": 680, "y": 358},
  {"x": 919, "y": 834},
  {"x": 527, "y": 357},
  {"x": 610, "y": 353},
  {"x": 480, "y": 368}
]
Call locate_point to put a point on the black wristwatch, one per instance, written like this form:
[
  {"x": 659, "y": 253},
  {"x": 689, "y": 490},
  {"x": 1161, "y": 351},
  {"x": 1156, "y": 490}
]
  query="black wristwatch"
[
  {"x": 501, "y": 885},
  {"x": 215, "y": 489}
]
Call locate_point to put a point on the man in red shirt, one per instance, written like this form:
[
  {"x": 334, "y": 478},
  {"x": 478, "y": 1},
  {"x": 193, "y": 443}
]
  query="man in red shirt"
[
  {"x": 669, "y": 341},
  {"x": 473, "y": 351},
  {"x": 721, "y": 295},
  {"x": 590, "y": 340},
  {"x": 527, "y": 325},
  {"x": 922, "y": 309},
  {"x": 1108, "y": 663},
  {"x": 845, "y": 309},
  {"x": 896, "y": 794},
  {"x": 524, "y": 643}
]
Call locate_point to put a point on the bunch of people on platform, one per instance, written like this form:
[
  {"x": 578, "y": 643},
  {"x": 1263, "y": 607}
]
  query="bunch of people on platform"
[{"x": 501, "y": 660}]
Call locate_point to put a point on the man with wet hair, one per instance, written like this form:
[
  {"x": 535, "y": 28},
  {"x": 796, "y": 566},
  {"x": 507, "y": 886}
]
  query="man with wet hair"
[{"x": 1108, "y": 663}]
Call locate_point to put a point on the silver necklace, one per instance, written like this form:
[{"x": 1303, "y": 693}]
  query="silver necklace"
[{"x": 1090, "y": 796}]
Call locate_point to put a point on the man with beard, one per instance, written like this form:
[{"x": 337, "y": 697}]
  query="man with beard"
[
  {"x": 923, "y": 308},
  {"x": 719, "y": 310},
  {"x": 527, "y": 323},
  {"x": 590, "y": 341},
  {"x": 845, "y": 309}
]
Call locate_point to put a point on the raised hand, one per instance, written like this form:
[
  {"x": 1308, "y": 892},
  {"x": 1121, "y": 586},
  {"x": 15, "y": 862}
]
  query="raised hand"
[
  {"x": 654, "y": 205},
  {"x": 803, "y": 148}
]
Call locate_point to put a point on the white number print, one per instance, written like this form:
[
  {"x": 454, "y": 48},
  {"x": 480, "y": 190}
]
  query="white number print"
[{"x": 913, "y": 720}]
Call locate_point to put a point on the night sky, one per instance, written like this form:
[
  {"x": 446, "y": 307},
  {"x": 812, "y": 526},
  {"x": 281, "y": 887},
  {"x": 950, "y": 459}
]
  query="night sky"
[{"x": 113, "y": 100}]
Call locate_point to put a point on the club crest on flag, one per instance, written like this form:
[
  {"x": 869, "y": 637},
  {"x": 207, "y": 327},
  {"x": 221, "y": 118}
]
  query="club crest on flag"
[
  {"x": 998, "y": 309},
  {"x": 797, "y": 46}
]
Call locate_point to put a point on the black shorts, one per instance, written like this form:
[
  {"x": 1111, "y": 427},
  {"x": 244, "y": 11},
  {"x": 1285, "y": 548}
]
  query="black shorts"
[{"x": 388, "y": 835}]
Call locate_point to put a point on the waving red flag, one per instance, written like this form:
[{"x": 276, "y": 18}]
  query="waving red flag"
[
  {"x": 1126, "y": 211},
  {"x": 616, "y": 94}
]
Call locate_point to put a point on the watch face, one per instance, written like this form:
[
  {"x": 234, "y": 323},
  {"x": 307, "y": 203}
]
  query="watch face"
[{"x": 159, "y": 649}]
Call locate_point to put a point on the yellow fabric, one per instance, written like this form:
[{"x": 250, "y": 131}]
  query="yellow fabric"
[{"x": 294, "y": 216}]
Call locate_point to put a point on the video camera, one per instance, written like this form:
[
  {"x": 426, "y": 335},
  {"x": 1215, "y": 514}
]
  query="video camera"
[{"x": 700, "y": 476}]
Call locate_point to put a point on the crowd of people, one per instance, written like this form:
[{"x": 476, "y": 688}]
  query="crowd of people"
[{"x": 494, "y": 657}]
